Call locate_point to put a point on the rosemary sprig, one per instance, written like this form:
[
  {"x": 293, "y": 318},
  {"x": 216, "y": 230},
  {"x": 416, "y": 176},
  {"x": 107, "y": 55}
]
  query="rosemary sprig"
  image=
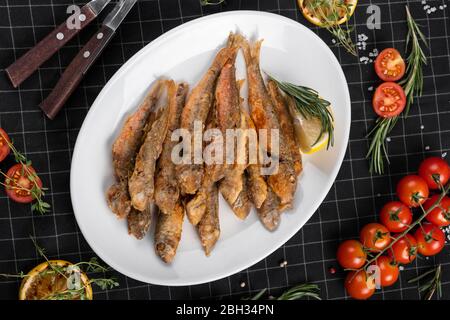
[
  {"x": 377, "y": 150},
  {"x": 36, "y": 191},
  {"x": 432, "y": 285},
  {"x": 295, "y": 293},
  {"x": 329, "y": 13},
  {"x": 310, "y": 104},
  {"x": 211, "y": 2},
  {"x": 413, "y": 83}
]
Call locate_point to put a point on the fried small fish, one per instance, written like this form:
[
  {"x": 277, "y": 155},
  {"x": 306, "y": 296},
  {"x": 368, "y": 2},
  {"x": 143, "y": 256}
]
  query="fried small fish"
[
  {"x": 269, "y": 213},
  {"x": 196, "y": 111},
  {"x": 124, "y": 151},
  {"x": 139, "y": 222},
  {"x": 242, "y": 206},
  {"x": 209, "y": 227},
  {"x": 167, "y": 192},
  {"x": 141, "y": 184},
  {"x": 168, "y": 233}
]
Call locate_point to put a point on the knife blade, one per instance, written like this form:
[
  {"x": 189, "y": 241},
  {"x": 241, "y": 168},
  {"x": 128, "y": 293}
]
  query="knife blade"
[{"x": 76, "y": 70}]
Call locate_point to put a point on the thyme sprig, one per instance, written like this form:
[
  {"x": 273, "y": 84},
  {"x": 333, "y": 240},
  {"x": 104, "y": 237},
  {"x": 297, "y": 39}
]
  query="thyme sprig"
[
  {"x": 433, "y": 283},
  {"x": 295, "y": 293},
  {"x": 36, "y": 191},
  {"x": 329, "y": 12},
  {"x": 413, "y": 83},
  {"x": 309, "y": 104}
]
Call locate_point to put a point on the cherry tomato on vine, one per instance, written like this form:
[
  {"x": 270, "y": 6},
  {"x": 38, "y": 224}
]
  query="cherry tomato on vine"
[
  {"x": 440, "y": 215},
  {"x": 19, "y": 183},
  {"x": 434, "y": 169},
  {"x": 396, "y": 216},
  {"x": 430, "y": 239},
  {"x": 412, "y": 190},
  {"x": 388, "y": 271},
  {"x": 359, "y": 285},
  {"x": 375, "y": 236},
  {"x": 389, "y": 100},
  {"x": 389, "y": 65},
  {"x": 351, "y": 254},
  {"x": 4, "y": 147},
  {"x": 404, "y": 251}
]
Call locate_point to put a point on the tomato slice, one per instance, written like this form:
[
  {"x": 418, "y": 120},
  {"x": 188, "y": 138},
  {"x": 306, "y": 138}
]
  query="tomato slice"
[
  {"x": 19, "y": 183},
  {"x": 4, "y": 147},
  {"x": 389, "y": 100},
  {"x": 390, "y": 65}
]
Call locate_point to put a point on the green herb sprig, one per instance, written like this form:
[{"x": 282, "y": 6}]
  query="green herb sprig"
[
  {"x": 432, "y": 285},
  {"x": 310, "y": 104},
  {"x": 295, "y": 293},
  {"x": 413, "y": 83},
  {"x": 36, "y": 191},
  {"x": 211, "y": 2},
  {"x": 329, "y": 13}
]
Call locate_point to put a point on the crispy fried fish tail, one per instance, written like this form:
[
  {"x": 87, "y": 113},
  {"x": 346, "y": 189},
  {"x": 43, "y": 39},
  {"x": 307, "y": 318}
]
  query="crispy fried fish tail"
[
  {"x": 166, "y": 184},
  {"x": 209, "y": 228},
  {"x": 168, "y": 233},
  {"x": 196, "y": 111},
  {"x": 269, "y": 213},
  {"x": 125, "y": 148},
  {"x": 141, "y": 183}
]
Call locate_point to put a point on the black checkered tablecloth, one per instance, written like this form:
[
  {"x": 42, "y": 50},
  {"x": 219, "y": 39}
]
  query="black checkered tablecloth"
[{"x": 355, "y": 198}]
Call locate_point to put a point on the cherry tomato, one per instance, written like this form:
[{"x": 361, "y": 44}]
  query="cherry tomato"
[
  {"x": 19, "y": 184},
  {"x": 412, "y": 190},
  {"x": 375, "y": 236},
  {"x": 388, "y": 271},
  {"x": 359, "y": 285},
  {"x": 440, "y": 215},
  {"x": 390, "y": 65},
  {"x": 430, "y": 239},
  {"x": 404, "y": 251},
  {"x": 4, "y": 147},
  {"x": 434, "y": 169},
  {"x": 396, "y": 216},
  {"x": 389, "y": 100},
  {"x": 351, "y": 254}
]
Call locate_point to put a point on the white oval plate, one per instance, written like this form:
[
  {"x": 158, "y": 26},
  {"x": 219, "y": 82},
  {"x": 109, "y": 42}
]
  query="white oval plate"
[{"x": 290, "y": 52}]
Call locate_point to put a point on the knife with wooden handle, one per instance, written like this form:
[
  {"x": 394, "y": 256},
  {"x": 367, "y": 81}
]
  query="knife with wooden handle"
[
  {"x": 75, "y": 72},
  {"x": 41, "y": 52}
]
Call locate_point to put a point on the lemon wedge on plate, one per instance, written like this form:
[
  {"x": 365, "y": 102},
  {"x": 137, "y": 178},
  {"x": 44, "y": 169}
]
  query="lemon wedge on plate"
[
  {"x": 326, "y": 10},
  {"x": 43, "y": 283}
]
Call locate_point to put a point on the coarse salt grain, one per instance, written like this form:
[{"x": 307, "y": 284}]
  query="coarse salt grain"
[
  {"x": 242, "y": 284},
  {"x": 422, "y": 127},
  {"x": 370, "y": 88},
  {"x": 388, "y": 139},
  {"x": 427, "y": 147}
]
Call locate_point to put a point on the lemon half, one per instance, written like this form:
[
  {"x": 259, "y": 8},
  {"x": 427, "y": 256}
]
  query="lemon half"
[
  {"x": 317, "y": 21},
  {"x": 37, "y": 285}
]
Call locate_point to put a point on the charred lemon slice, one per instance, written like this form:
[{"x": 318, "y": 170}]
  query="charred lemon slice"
[
  {"x": 43, "y": 283},
  {"x": 335, "y": 13}
]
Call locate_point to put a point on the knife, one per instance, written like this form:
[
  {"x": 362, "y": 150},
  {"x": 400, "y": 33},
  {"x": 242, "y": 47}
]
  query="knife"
[
  {"x": 35, "y": 57},
  {"x": 74, "y": 73}
]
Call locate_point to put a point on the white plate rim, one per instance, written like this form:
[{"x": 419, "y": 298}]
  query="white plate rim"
[{"x": 128, "y": 64}]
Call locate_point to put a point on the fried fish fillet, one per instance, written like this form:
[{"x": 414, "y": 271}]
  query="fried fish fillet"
[
  {"x": 284, "y": 183},
  {"x": 139, "y": 222},
  {"x": 196, "y": 111},
  {"x": 168, "y": 233},
  {"x": 124, "y": 151},
  {"x": 141, "y": 184},
  {"x": 166, "y": 184},
  {"x": 209, "y": 227}
]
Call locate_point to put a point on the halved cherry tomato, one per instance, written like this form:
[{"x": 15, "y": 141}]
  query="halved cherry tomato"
[
  {"x": 375, "y": 236},
  {"x": 388, "y": 271},
  {"x": 434, "y": 169},
  {"x": 4, "y": 147},
  {"x": 430, "y": 239},
  {"x": 351, "y": 254},
  {"x": 390, "y": 65},
  {"x": 19, "y": 183},
  {"x": 396, "y": 216},
  {"x": 389, "y": 100},
  {"x": 359, "y": 285},
  {"x": 404, "y": 251},
  {"x": 440, "y": 215},
  {"x": 412, "y": 190}
]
